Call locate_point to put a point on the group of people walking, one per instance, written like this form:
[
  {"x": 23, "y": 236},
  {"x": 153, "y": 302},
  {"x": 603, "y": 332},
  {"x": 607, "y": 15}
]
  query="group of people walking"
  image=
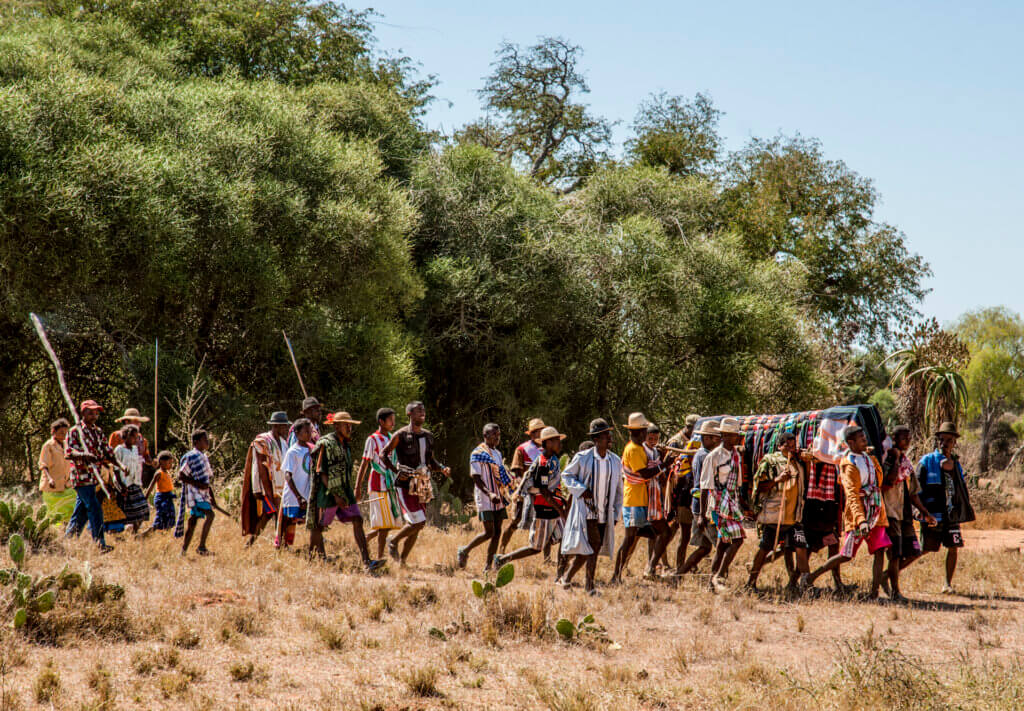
[{"x": 692, "y": 487}]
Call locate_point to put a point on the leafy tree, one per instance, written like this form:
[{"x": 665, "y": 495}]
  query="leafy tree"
[
  {"x": 672, "y": 324},
  {"x": 295, "y": 42},
  {"x": 928, "y": 372},
  {"x": 678, "y": 134},
  {"x": 995, "y": 375},
  {"x": 535, "y": 117},
  {"x": 209, "y": 213},
  {"x": 491, "y": 321},
  {"x": 684, "y": 207},
  {"x": 792, "y": 205}
]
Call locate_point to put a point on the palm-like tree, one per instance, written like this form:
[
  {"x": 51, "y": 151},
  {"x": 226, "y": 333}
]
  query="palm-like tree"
[{"x": 933, "y": 392}]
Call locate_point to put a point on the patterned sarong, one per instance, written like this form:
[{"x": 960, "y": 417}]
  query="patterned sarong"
[
  {"x": 726, "y": 512},
  {"x": 134, "y": 505}
]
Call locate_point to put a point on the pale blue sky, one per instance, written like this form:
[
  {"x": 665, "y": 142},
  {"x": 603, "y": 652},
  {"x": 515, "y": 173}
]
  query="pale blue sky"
[{"x": 925, "y": 98}]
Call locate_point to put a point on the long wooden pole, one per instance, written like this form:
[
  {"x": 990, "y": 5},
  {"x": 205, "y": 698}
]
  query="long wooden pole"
[
  {"x": 60, "y": 379},
  {"x": 294, "y": 363},
  {"x": 156, "y": 398}
]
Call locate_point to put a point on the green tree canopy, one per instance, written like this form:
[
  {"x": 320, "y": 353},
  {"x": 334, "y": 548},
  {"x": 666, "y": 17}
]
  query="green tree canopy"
[
  {"x": 995, "y": 374},
  {"x": 678, "y": 134},
  {"x": 137, "y": 204},
  {"x": 535, "y": 117},
  {"x": 790, "y": 204}
]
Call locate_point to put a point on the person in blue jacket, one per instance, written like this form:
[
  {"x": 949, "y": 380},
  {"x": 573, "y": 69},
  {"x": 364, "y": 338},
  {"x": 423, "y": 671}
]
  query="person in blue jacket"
[{"x": 942, "y": 482}]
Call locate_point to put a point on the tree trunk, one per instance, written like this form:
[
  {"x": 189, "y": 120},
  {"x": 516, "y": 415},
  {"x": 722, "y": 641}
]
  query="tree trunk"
[{"x": 983, "y": 456}]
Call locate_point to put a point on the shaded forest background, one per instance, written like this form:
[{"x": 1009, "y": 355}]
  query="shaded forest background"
[{"x": 210, "y": 173}]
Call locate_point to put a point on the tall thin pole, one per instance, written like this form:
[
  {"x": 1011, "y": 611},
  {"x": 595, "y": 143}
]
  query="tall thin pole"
[
  {"x": 60, "y": 379},
  {"x": 156, "y": 397},
  {"x": 294, "y": 363}
]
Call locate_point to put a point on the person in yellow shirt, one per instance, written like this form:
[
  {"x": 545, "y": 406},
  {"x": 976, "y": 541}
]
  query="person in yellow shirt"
[
  {"x": 58, "y": 496},
  {"x": 643, "y": 513}
]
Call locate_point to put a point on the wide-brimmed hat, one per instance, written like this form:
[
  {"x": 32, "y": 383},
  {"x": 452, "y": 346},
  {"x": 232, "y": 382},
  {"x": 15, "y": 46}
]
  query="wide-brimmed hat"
[
  {"x": 310, "y": 402},
  {"x": 637, "y": 421},
  {"x": 131, "y": 414},
  {"x": 90, "y": 405},
  {"x": 899, "y": 429},
  {"x": 729, "y": 425},
  {"x": 550, "y": 433},
  {"x": 947, "y": 428},
  {"x": 708, "y": 427},
  {"x": 342, "y": 416},
  {"x": 692, "y": 419},
  {"x": 598, "y": 426},
  {"x": 279, "y": 418},
  {"x": 535, "y": 424}
]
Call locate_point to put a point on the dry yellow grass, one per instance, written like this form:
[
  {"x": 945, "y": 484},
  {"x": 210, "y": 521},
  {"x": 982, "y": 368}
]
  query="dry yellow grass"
[{"x": 256, "y": 628}]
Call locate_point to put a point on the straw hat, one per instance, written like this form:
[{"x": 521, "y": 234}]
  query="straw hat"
[
  {"x": 131, "y": 415},
  {"x": 637, "y": 421},
  {"x": 729, "y": 425},
  {"x": 535, "y": 424},
  {"x": 947, "y": 428},
  {"x": 342, "y": 416},
  {"x": 692, "y": 419},
  {"x": 550, "y": 433},
  {"x": 709, "y": 427}
]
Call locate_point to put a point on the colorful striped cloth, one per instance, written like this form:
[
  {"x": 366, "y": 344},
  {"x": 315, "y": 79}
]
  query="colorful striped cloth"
[
  {"x": 726, "y": 512},
  {"x": 196, "y": 465}
]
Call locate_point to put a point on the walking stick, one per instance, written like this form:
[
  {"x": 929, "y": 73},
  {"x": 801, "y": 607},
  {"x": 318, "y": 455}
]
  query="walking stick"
[
  {"x": 156, "y": 398},
  {"x": 294, "y": 363},
  {"x": 60, "y": 379},
  {"x": 782, "y": 511}
]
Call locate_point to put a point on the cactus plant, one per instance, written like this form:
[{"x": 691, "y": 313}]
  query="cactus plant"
[
  {"x": 32, "y": 525},
  {"x": 27, "y": 595}
]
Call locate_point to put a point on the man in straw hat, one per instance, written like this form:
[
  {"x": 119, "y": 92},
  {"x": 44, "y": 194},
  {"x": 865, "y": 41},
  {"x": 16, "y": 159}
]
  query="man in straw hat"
[
  {"x": 594, "y": 478},
  {"x": 864, "y": 519},
  {"x": 332, "y": 497},
  {"x": 540, "y": 482},
  {"x": 643, "y": 512},
  {"x": 699, "y": 535},
  {"x": 86, "y": 449},
  {"x": 720, "y": 508},
  {"x": 524, "y": 455},
  {"x": 944, "y": 493},
  {"x": 261, "y": 490}
]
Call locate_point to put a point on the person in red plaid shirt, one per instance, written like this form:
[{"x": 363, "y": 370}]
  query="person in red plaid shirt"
[{"x": 86, "y": 448}]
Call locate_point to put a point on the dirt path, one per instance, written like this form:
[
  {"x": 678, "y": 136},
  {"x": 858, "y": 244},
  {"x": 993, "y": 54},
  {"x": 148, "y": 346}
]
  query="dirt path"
[{"x": 994, "y": 540}]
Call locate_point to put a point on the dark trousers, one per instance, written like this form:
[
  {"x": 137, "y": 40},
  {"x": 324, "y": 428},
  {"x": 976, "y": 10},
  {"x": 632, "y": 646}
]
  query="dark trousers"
[{"x": 87, "y": 507}]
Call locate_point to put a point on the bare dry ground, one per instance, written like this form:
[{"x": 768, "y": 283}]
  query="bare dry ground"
[{"x": 257, "y": 628}]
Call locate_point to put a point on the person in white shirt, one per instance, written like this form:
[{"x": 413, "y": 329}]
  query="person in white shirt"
[
  {"x": 295, "y": 494},
  {"x": 487, "y": 468},
  {"x": 594, "y": 478},
  {"x": 131, "y": 500}
]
